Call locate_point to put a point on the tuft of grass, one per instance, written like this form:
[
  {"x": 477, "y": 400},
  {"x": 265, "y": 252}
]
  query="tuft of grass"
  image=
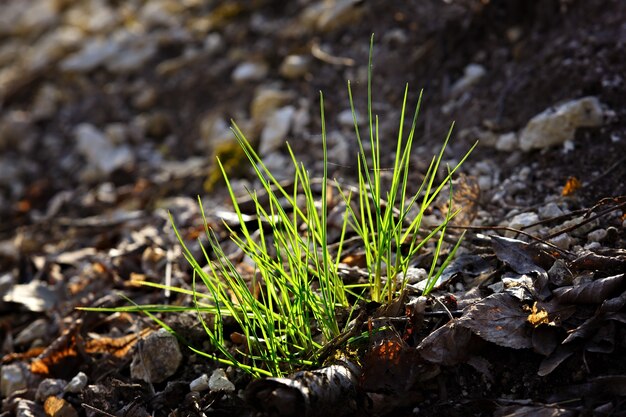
[
  {"x": 390, "y": 236},
  {"x": 288, "y": 310}
]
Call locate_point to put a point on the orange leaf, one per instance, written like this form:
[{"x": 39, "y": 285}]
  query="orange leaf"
[{"x": 571, "y": 186}]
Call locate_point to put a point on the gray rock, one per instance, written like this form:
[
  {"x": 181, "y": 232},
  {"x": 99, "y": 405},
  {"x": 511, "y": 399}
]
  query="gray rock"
[
  {"x": 48, "y": 387},
  {"x": 507, "y": 142},
  {"x": 12, "y": 378},
  {"x": 346, "y": 120},
  {"x": 471, "y": 75},
  {"x": 550, "y": 211},
  {"x": 563, "y": 241},
  {"x": 134, "y": 53},
  {"x": 157, "y": 358},
  {"x": 274, "y": 133},
  {"x": 93, "y": 54},
  {"x": 266, "y": 101},
  {"x": 294, "y": 66},
  {"x": 522, "y": 221},
  {"x": 250, "y": 71},
  {"x": 200, "y": 384},
  {"x": 337, "y": 14},
  {"x": 558, "y": 124},
  {"x": 219, "y": 382},
  {"x": 279, "y": 165},
  {"x": 77, "y": 384},
  {"x": 100, "y": 153},
  {"x": 597, "y": 235},
  {"x": 35, "y": 330}
]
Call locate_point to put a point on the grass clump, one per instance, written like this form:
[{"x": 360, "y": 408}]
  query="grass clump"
[{"x": 290, "y": 307}]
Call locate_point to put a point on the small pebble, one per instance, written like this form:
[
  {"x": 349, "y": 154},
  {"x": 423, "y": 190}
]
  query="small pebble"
[
  {"x": 200, "y": 384},
  {"x": 157, "y": 358},
  {"x": 274, "y": 134},
  {"x": 50, "y": 387},
  {"x": 219, "y": 382},
  {"x": 597, "y": 235},
  {"x": 12, "y": 378},
  {"x": 36, "y": 330},
  {"x": 521, "y": 222},
  {"x": 77, "y": 384},
  {"x": 507, "y": 142},
  {"x": 249, "y": 71},
  {"x": 563, "y": 241},
  {"x": 550, "y": 211},
  {"x": 294, "y": 66}
]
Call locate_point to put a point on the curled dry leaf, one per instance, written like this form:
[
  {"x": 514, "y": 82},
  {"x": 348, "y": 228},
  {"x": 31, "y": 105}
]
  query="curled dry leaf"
[
  {"x": 592, "y": 292},
  {"x": 500, "y": 319},
  {"x": 534, "y": 411},
  {"x": 326, "y": 391},
  {"x": 447, "y": 345}
]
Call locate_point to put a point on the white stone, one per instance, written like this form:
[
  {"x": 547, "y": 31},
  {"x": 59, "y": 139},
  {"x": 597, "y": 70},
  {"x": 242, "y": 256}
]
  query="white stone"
[
  {"x": 275, "y": 131},
  {"x": 521, "y": 222},
  {"x": 596, "y": 235},
  {"x": 159, "y": 13},
  {"x": 413, "y": 275},
  {"x": 133, "y": 56},
  {"x": 99, "y": 151},
  {"x": 213, "y": 43},
  {"x": 249, "y": 71},
  {"x": 199, "y": 384},
  {"x": 337, "y": 14},
  {"x": 485, "y": 182},
  {"x": 93, "y": 54},
  {"x": 219, "y": 382},
  {"x": 279, "y": 165},
  {"x": 563, "y": 241},
  {"x": 346, "y": 119},
  {"x": 48, "y": 387},
  {"x": 558, "y": 124},
  {"x": 266, "y": 101},
  {"x": 294, "y": 66},
  {"x": 35, "y": 330},
  {"x": 549, "y": 211},
  {"x": 12, "y": 378},
  {"x": 471, "y": 75},
  {"x": 77, "y": 384},
  {"x": 507, "y": 142}
]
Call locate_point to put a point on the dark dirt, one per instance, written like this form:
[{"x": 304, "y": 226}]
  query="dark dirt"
[{"x": 537, "y": 55}]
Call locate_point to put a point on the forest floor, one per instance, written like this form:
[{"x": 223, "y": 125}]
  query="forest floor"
[{"x": 112, "y": 114}]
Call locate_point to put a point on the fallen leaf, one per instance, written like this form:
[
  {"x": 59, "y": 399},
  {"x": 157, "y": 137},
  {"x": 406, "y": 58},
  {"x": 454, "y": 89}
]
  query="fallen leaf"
[
  {"x": 593, "y": 292},
  {"x": 448, "y": 345},
  {"x": 571, "y": 186},
  {"x": 500, "y": 319},
  {"x": 523, "y": 260}
]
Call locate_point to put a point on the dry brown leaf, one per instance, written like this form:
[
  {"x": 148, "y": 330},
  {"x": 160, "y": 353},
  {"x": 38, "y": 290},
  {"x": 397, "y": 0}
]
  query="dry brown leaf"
[
  {"x": 571, "y": 186},
  {"x": 500, "y": 319},
  {"x": 593, "y": 292}
]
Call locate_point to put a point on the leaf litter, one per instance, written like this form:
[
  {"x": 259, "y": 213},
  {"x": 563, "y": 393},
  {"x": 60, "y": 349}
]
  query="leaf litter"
[{"x": 76, "y": 248}]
